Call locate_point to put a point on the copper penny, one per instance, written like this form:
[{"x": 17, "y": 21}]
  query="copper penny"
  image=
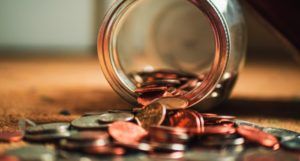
[
  {"x": 186, "y": 119},
  {"x": 151, "y": 115},
  {"x": 11, "y": 136},
  {"x": 126, "y": 132},
  {"x": 174, "y": 103},
  {"x": 150, "y": 89},
  {"x": 147, "y": 98},
  {"x": 258, "y": 136},
  {"x": 219, "y": 130}
]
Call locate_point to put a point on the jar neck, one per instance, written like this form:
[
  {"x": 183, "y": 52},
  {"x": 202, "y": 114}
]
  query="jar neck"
[{"x": 120, "y": 82}]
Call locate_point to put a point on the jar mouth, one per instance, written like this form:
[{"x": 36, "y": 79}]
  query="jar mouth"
[{"x": 119, "y": 80}]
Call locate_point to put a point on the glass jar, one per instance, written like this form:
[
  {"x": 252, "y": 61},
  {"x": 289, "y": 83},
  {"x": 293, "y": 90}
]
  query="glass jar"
[{"x": 203, "y": 37}]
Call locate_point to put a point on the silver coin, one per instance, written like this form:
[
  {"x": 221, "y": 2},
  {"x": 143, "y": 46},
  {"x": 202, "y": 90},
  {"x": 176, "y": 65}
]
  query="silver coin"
[
  {"x": 167, "y": 146},
  {"x": 246, "y": 123},
  {"x": 34, "y": 153},
  {"x": 115, "y": 116},
  {"x": 48, "y": 128},
  {"x": 293, "y": 144},
  {"x": 47, "y": 137},
  {"x": 282, "y": 134},
  {"x": 88, "y": 122}
]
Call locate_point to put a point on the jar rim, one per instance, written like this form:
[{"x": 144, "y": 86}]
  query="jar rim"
[{"x": 111, "y": 66}]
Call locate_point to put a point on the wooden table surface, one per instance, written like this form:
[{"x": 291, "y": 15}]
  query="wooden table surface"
[{"x": 267, "y": 93}]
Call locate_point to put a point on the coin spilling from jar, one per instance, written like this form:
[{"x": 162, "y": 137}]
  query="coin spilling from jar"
[{"x": 163, "y": 126}]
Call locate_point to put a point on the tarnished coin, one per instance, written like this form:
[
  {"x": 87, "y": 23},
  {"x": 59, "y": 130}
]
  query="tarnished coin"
[
  {"x": 151, "y": 115},
  {"x": 89, "y": 122},
  {"x": 247, "y": 123},
  {"x": 126, "y": 132},
  {"x": 292, "y": 144},
  {"x": 282, "y": 134},
  {"x": 174, "y": 103},
  {"x": 47, "y": 136},
  {"x": 110, "y": 117},
  {"x": 48, "y": 128},
  {"x": 258, "y": 136},
  {"x": 11, "y": 136},
  {"x": 187, "y": 119},
  {"x": 99, "y": 137},
  {"x": 33, "y": 153}
]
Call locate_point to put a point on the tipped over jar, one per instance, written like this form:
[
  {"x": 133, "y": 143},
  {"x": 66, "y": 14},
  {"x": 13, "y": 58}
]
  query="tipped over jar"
[{"x": 189, "y": 50}]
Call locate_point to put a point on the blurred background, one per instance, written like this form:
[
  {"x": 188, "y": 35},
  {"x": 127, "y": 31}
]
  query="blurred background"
[{"x": 70, "y": 27}]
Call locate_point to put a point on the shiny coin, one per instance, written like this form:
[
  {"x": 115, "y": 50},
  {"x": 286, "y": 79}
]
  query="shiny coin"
[
  {"x": 48, "y": 128},
  {"x": 164, "y": 134},
  {"x": 126, "y": 132},
  {"x": 150, "y": 89},
  {"x": 147, "y": 98},
  {"x": 33, "y": 153},
  {"x": 246, "y": 123},
  {"x": 282, "y": 134},
  {"x": 187, "y": 119},
  {"x": 47, "y": 137},
  {"x": 115, "y": 116},
  {"x": 11, "y": 136},
  {"x": 105, "y": 150},
  {"x": 258, "y": 136},
  {"x": 223, "y": 130},
  {"x": 222, "y": 140},
  {"x": 98, "y": 137},
  {"x": 174, "y": 103},
  {"x": 89, "y": 122},
  {"x": 167, "y": 146},
  {"x": 151, "y": 115},
  {"x": 292, "y": 144}
]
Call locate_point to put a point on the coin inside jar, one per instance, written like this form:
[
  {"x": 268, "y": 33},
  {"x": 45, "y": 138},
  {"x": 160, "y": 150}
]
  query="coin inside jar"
[
  {"x": 115, "y": 116},
  {"x": 151, "y": 115},
  {"x": 174, "y": 103}
]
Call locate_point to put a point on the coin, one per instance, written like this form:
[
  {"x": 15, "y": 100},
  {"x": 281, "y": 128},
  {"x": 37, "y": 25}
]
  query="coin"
[
  {"x": 151, "y": 115},
  {"x": 47, "y": 136},
  {"x": 126, "y": 132},
  {"x": 219, "y": 130},
  {"x": 48, "y": 128},
  {"x": 282, "y": 134},
  {"x": 89, "y": 122},
  {"x": 89, "y": 136},
  {"x": 187, "y": 119},
  {"x": 163, "y": 82},
  {"x": 115, "y": 116},
  {"x": 105, "y": 150},
  {"x": 150, "y": 89},
  {"x": 33, "y": 153},
  {"x": 164, "y": 134},
  {"x": 11, "y": 136},
  {"x": 258, "y": 136},
  {"x": 174, "y": 103},
  {"x": 246, "y": 123},
  {"x": 140, "y": 146},
  {"x": 293, "y": 144},
  {"x": 222, "y": 140},
  {"x": 157, "y": 146},
  {"x": 147, "y": 98},
  {"x": 8, "y": 158}
]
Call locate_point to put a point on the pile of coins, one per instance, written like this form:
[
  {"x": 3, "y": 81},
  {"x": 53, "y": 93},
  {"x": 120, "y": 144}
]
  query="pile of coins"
[{"x": 163, "y": 126}]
